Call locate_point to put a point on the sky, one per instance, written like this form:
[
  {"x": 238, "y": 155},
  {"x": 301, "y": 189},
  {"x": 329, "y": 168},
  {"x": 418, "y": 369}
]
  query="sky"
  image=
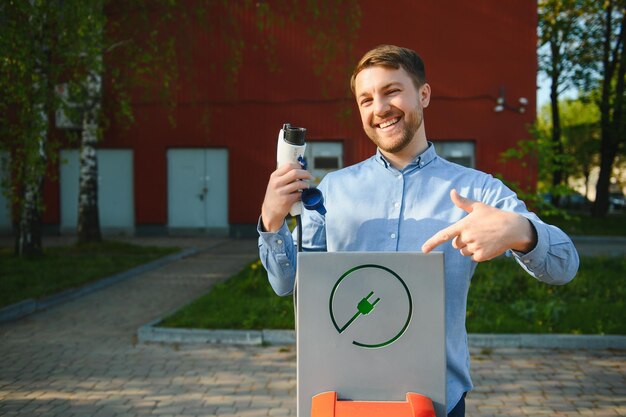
[{"x": 543, "y": 91}]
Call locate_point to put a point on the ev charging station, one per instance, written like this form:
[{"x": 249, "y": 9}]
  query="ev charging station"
[{"x": 370, "y": 334}]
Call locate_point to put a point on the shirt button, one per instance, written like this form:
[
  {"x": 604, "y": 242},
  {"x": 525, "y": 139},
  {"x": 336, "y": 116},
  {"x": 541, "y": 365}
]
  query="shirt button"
[
  {"x": 393, "y": 235},
  {"x": 280, "y": 242},
  {"x": 396, "y": 205},
  {"x": 527, "y": 261},
  {"x": 286, "y": 263}
]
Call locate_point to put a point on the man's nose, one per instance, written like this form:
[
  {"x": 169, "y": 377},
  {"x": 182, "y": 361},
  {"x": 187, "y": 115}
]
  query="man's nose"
[{"x": 381, "y": 106}]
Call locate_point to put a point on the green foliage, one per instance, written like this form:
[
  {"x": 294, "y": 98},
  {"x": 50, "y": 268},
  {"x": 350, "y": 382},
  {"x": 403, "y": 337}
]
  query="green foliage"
[
  {"x": 581, "y": 44},
  {"x": 580, "y": 148},
  {"x": 560, "y": 33},
  {"x": 61, "y": 268},
  {"x": 42, "y": 44},
  {"x": 580, "y": 123}
]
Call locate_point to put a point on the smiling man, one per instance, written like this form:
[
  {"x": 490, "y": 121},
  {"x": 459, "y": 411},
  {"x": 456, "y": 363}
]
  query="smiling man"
[
  {"x": 406, "y": 198},
  {"x": 392, "y": 111}
]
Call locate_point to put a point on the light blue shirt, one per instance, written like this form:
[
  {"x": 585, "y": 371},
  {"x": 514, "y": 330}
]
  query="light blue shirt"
[{"x": 371, "y": 206}]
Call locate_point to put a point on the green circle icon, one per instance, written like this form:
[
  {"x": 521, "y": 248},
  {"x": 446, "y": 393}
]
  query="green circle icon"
[{"x": 368, "y": 303}]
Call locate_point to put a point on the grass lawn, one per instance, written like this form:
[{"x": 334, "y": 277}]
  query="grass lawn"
[
  {"x": 582, "y": 224},
  {"x": 502, "y": 299},
  {"x": 66, "y": 267},
  {"x": 244, "y": 301}
]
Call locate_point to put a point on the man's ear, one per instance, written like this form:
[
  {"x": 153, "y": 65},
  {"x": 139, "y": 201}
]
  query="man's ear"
[{"x": 424, "y": 94}]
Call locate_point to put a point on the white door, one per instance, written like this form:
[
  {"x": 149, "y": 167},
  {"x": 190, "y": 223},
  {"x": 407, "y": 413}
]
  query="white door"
[
  {"x": 115, "y": 190},
  {"x": 197, "y": 187},
  {"x": 5, "y": 207}
]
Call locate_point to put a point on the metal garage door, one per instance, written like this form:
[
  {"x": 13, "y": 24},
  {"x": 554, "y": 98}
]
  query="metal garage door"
[{"x": 198, "y": 190}]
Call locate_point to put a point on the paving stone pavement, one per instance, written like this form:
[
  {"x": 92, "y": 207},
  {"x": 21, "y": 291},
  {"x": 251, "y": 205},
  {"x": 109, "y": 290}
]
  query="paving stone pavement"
[{"x": 81, "y": 359}]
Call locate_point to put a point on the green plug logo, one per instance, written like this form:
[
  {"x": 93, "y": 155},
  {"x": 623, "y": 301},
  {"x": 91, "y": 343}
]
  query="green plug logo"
[{"x": 364, "y": 307}]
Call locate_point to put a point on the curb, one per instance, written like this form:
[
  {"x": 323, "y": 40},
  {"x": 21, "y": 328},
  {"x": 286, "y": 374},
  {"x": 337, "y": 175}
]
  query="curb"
[
  {"x": 30, "y": 306},
  {"x": 547, "y": 341},
  {"x": 152, "y": 333}
]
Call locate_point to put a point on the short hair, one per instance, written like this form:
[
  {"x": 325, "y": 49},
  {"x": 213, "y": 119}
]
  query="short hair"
[{"x": 394, "y": 57}]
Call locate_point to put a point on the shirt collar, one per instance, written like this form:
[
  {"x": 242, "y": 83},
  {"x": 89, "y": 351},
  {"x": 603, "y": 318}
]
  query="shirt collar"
[{"x": 420, "y": 160}]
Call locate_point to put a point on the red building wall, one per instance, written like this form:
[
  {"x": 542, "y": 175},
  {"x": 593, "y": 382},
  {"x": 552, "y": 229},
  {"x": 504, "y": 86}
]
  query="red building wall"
[{"x": 472, "y": 50}]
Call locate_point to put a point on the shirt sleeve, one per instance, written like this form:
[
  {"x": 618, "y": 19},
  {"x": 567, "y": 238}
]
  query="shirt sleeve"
[
  {"x": 554, "y": 260},
  {"x": 278, "y": 255},
  {"x": 278, "y": 251}
]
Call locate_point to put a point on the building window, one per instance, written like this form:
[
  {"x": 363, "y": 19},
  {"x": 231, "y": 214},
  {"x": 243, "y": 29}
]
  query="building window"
[
  {"x": 459, "y": 152},
  {"x": 323, "y": 157}
]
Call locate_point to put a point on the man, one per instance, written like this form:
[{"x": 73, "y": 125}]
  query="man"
[{"x": 406, "y": 198}]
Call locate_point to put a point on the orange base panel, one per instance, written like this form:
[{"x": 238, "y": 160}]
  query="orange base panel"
[{"x": 416, "y": 405}]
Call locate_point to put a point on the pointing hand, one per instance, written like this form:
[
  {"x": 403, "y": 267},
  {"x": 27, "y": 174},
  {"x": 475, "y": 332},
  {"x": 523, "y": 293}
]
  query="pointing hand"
[{"x": 486, "y": 232}]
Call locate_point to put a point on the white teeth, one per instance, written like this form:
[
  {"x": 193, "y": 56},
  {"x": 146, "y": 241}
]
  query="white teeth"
[{"x": 388, "y": 123}]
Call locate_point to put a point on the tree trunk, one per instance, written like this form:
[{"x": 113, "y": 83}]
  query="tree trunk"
[
  {"x": 587, "y": 174},
  {"x": 28, "y": 237},
  {"x": 88, "y": 227},
  {"x": 611, "y": 124},
  {"x": 607, "y": 156},
  {"x": 29, "y": 225},
  {"x": 557, "y": 144}
]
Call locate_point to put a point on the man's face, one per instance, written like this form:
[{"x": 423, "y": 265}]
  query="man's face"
[{"x": 390, "y": 105}]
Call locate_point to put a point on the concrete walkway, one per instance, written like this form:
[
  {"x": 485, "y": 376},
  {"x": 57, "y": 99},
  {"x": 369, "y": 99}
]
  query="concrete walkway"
[{"x": 81, "y": 359}]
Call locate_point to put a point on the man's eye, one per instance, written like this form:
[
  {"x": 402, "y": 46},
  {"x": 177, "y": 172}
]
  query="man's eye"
[
  {"x": 394, "y": 91},
  {"x": 366, "y": 101}
]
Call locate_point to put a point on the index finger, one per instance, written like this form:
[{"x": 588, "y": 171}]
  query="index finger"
[
  {"x": 291, "y": 172},
  {"x": 286, "y": 167},
  {"x": 440, "y": 237}
]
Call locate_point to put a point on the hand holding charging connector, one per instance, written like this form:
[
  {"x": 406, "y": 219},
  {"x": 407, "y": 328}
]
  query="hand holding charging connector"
[
  {"x": 290, "y": 149},
  {"x": 287, "y": 192},
  {"x": 284, "y": 189}
]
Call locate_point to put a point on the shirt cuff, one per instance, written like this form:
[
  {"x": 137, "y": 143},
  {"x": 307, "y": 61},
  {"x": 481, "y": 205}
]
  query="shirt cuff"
[
  {"x": 533, "y": 261},
  {"x": 275, "y": 241}
]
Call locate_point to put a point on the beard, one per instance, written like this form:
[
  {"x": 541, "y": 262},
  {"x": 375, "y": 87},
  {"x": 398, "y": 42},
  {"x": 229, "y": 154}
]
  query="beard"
[{"x": 412, "y": 122}]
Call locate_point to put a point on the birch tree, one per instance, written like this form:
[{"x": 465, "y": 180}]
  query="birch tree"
[
  {"x": 88, "y": 226},
  {"x": 87, "y": 85},
  {"x": 28, "y": 70}
]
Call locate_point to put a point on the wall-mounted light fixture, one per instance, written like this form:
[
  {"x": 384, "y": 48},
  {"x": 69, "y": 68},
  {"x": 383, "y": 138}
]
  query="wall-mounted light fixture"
[{"x": 502, "y": 105}]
